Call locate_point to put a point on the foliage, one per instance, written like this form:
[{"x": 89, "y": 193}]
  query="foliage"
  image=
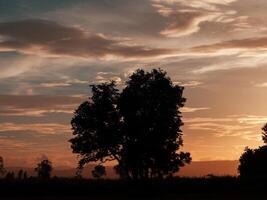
[
  {"x": 99, "y": 171},
  {"x": 44, "y": 169},
  {"x": 96, "y": 126},
  {"x": 253, "y": 163},
  {"x": 264, "y": 133},
  {"x": 2, "y": 167},
  {"x": 139, "y": 127}
]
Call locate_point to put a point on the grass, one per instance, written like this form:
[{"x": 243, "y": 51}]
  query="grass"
[{"x": 177, "y": 188}]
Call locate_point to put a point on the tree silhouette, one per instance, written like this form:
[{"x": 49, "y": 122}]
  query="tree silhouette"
[
  {"x": 253, "y": 162},
  {"x": 2, "y": 167},
  {"x": 139, "y": 127},
  {"x": 10, "y": 176},
  {"x": 20, "y": 174},
  {"x": 99, "y": 171},
  {"x": 44, "y": 169},
  {"x": 150, "y": 106},
  {"x": 96, "y": 126},
  {"x": 264, "y": 133},
  {"x": 25, "y": 175}
]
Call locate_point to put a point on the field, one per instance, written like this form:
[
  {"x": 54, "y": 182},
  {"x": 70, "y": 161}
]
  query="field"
[{"x": 218, "y": 188}]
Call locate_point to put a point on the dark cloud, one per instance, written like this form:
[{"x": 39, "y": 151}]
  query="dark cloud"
[
  {"x": 52, "y": 38},
  {"x": 248, "y": 43},
  {"x": 186, "y": 17},
  {"x": 38, "y": 101}
]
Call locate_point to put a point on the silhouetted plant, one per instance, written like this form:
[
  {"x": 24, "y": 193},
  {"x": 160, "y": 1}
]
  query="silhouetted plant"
[
  {"x": 2, "y": 167},
  {"x": 44, "y": 169},
  {"x": 20, "y": 174},
  {"x": 10, "y": 176},
  {"x": 264, "y": 133},
  {"x": 253, "y": 163},
  {"x": 25, "y": 175},
  {"x": 96, "y": 126},
  {"x": 99, "y": 171},
  {"x": 140, "y": 127}
]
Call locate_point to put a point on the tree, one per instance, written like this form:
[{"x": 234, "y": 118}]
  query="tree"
[
  {"x": 20, "y": 174},
  {"x": 25, "y": 175},
  {"x": 139, "y": 127},
  {"x": 253, "y": 163},
  {"x": 264, "y": 133},
  {"x": 10, "y": 176},
  {"x": 2, "y": 167},
  {"x": 96, "y": 126},
  {"x": 44, "y": 169},
  {"x": 150, "y": 106},
  {"x": 99, "y": 171}
]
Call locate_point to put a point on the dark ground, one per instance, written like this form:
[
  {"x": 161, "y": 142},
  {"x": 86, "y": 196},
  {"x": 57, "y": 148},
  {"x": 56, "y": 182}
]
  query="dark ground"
[{"x": 217, "y": 188}]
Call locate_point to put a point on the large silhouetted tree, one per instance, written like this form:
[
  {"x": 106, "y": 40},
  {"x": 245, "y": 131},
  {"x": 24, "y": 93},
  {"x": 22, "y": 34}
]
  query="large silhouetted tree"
[
  {"x": 96, "y": 126},
  {"x": 150, "y": 106},
  {"x": 139, "y": 127},
  {"x": 44, "y": 169}
]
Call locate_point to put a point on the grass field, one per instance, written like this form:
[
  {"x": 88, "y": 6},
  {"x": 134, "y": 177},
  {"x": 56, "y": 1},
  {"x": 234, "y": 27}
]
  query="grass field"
[{"x": 217, "y": 188}]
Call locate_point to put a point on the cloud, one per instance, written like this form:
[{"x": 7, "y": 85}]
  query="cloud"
[
  {"x": 188, "y": 84},
  {"x": 65, "y": 83},
  {"x": 261, "y": 85},
  {"x": 40, "y": 128},
  {"x": 37, "y": 106},
  {"x": 11, "y": 66},
  {"x": 191, "y": 109},
  {"x": 52, "y": 39},
  {"x": 247, "y": 43},
  {"x": 185, "y": 17},
  {"x": 242, "y": 126}
]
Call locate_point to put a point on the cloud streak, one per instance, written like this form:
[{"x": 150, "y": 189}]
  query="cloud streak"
[
  {"x": 186, "y": 17},
  {"x": 27, "y": 36}
]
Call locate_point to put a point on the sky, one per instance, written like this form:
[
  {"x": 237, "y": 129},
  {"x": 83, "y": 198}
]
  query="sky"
[{"x": 50, "y": 51}]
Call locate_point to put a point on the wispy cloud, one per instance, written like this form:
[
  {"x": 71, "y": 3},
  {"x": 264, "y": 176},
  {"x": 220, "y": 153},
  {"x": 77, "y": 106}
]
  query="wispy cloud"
[
  {"x": 38, "y": 128},
  {"x": 191, "y": 109},
  {"x": 186, "y": 17},
  {"x": 27, "y": 37}
]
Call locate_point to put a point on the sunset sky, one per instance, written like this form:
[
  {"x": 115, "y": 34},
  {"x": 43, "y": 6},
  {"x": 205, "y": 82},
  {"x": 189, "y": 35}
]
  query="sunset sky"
[{"x": 51, "y": 50}]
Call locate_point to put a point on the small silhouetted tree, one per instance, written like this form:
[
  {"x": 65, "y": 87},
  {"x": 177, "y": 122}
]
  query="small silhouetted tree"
[
  {"x": 2, "y": 167},
  {"x": 264, "y": 133},
  {"x": 20, "y": 174},
  {"x": 25, "y": 175},
  {"x": 139, "y": 127},
  {"x": 96, "y": 126},
  {"x": 99, "y": 171},
  {"x": 10, "y": 176},
  {"x": 44, "y": 169},
  {"x": 253, "y": 162}
]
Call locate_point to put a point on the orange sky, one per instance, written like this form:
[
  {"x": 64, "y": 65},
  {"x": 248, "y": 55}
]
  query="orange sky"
[{"x": 51, "y": 50}]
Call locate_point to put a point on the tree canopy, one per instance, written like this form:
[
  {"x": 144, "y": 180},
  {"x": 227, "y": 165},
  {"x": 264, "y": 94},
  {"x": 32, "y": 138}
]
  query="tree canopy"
[
  {"x": 138, "y": 127},
  {"x": 44, "y": 169},
  {"x": 2, "y": 167},
  {"x": 253, "y": 162}
]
